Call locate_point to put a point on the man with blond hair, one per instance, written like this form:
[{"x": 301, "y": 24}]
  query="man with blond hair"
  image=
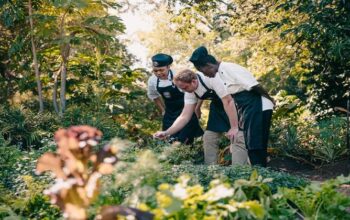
[{"x": 222, "y": 114}]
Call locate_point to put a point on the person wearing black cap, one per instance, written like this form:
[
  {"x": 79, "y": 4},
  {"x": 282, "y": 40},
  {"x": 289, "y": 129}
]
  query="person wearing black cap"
[
  {"x": 253, "y": 103},
  {"x": 161, "y": 87}
]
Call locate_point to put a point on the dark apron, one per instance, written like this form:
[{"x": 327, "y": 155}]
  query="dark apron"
[
  {"x": 250, "y": 115},
  {"x": 218, "y": 120},
  {"x": 174, "y": 103}
]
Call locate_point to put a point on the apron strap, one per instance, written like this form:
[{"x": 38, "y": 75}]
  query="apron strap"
[
  {"x": 171, "y": 80},
  {"x": 205, "y": 86},
  {"x": 157, "y": 84}
]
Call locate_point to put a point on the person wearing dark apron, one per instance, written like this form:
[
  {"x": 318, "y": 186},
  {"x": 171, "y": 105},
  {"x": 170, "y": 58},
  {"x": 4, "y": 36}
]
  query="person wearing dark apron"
[
  {"x": 217, "y": 124},
  {"x": 254, "y": 105},
  {"x": 161, "y": 85},
  {"x": 222, "y": 115}
]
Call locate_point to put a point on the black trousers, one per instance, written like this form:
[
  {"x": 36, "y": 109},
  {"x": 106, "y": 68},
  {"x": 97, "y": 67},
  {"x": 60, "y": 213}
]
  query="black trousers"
[{"x": 258, "y": 157}]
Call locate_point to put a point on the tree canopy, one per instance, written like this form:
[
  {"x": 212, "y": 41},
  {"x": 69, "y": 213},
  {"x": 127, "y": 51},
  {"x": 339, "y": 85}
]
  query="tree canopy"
[{"x": 301, "y": 47}]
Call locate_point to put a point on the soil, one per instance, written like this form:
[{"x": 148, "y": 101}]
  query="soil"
[{"x": 322, "y": 173}]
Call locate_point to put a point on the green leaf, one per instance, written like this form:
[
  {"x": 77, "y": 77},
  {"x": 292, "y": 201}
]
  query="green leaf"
[{"x": 254, "y": 176}]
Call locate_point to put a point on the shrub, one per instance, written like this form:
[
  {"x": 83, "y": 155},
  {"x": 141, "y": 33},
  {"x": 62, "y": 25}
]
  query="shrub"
[
  {"x": 245, "y": 199},
  {"x": 320, "y": 200},
  {"x": 28, "y": 203},
  {"x": 204, "y": 174},
  {"x": 24, "y": 128},
  {"x": 317, "y": 142},
  {"x": 178, "y": 153},
  {"x": 329, "y": 143},
  {"x": 296, "y": 133},
  {"x": 9, "y": 156},
  {"x": 138, "y": 179},
  {"x": 102, "y": 120}
]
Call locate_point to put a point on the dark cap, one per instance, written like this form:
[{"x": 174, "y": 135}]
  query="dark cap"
[
  {"x": 161, "y": 59},
  {"x": 199, "y": 55}
]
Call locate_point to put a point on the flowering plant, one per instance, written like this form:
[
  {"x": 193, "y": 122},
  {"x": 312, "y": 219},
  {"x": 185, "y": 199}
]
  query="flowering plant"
[
  {"x": 219, "y": 201},
  {"x": 78, "y": 169}
]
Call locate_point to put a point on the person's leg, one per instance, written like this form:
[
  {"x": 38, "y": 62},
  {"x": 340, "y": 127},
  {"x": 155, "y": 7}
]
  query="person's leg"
[
  {"x": 239, "y": 151},
  {"x": 211, "y": 147},
  {"x": 259, "y": 156},
  {"x": 267, "y": 115}
]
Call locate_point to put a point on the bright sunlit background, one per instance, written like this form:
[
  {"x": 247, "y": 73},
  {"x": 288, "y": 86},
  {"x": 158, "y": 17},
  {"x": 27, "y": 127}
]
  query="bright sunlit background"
[{"x": 135, "y": 23}]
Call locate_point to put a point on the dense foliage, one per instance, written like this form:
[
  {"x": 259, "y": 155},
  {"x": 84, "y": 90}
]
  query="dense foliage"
[
  {"x": 297, "y": 133},
  {"x": 66, "y": 60},
  {"x": 297, "y": 46},
  {"x": 324, "y": 28},
  {"x": 80, "y": 58}
]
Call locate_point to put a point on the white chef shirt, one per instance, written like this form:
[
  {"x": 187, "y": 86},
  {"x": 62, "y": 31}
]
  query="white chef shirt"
[
  {"x": 215, "y": 84},
  {"x": 152, "y": 92},
  {"x": 237, "y": 78}
]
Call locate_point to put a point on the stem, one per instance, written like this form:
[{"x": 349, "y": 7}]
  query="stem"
[{"x": 302, "y": 160}]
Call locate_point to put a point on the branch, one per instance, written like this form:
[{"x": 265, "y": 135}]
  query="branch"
[{"x": 341, "y": 109}]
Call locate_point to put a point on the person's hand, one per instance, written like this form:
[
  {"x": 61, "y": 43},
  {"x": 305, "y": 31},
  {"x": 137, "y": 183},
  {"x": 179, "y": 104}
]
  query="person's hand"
[
  {"x": 232, "y": 133},
  {"x": 160, "y": 135},
  {"x": 198, "y": 112}
]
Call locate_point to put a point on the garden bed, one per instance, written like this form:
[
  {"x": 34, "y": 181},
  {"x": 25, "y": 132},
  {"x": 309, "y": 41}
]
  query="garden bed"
[{"x": 325, "y": 172}]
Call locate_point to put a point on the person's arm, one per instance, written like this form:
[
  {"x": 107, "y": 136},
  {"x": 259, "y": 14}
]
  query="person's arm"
[
  {"x": 231, "y": 111},
  {"x": 260, "y": 90},
  {"x": 179, "y": 123},
  {"x": 158, "y": 102},
  {"x": 220, "y": 89},
  {"x": 153, "y": 94},
  {"x": 198, "y": 108}
]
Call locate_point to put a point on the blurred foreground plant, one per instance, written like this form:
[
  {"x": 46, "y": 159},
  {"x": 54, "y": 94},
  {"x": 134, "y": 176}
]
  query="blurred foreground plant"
[{"x": 78, "y": 169}]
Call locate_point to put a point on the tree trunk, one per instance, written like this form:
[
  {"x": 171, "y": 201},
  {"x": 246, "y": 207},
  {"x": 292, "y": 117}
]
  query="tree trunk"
[
  {"x": 65, "y": 49},
  {"x": 63, "y": 88},
  {"x": 35, "y": 60},
  {"x": 54, "y": 93}
]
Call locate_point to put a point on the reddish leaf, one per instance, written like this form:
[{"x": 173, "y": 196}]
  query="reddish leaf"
[
  {"x": 105, "y": 168},
  {"x": 50, "y": 162}
]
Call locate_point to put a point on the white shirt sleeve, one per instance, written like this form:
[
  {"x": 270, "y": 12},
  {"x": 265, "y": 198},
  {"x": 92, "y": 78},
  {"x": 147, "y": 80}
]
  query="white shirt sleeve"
[
  {"x": 152, "y": 92},
  {"x": 190, "y": 98},
  {"x": 218, "y": 86}
]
